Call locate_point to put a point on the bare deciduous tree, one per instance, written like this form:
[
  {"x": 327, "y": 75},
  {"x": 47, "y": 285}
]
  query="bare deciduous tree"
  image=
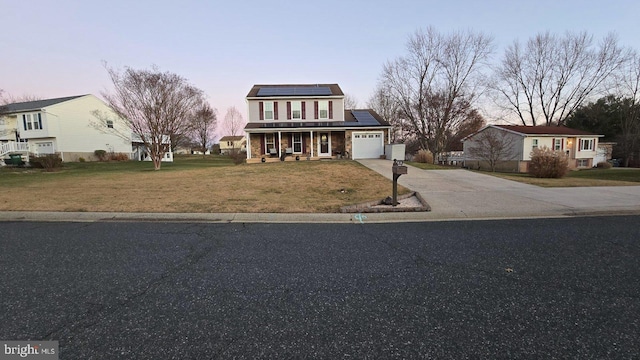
[
  {"x": 154, "y": 105},
  {"x": 382, "y": 103},
  {"x": 233, "y": 122},
  {"x": 437, "y": 78},
  {"x": 628, "y": 89},
  {"x": 350, "y": 102},
  {"x": 493, "y": 146},
  {"x": 6, "y": 98},
  {"x": 203, "y": 126},
  {"x": 546, "y": 80}
]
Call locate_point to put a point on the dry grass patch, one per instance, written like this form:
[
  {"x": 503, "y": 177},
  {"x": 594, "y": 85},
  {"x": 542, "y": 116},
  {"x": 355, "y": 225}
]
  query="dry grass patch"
[{"x": 291, "y": 187}]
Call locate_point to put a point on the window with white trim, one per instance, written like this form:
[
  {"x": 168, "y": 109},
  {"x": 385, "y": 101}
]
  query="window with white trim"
[
  {"x": 269, "y": 142},
  {"x": 268, "y": 110},
  {"x": 32, "y": 121},
  {"x": 557, "y": 144},
  {"x": 297, "y": 142},
  {"x": 583, "y": 162},
  {"x": 110, "y": 124},
  {"x": 323, "y": 109},
  {"x": 296, "y": 110},
  {"x": 534, "y": 143},
  {"x": 586, "y": 144}
]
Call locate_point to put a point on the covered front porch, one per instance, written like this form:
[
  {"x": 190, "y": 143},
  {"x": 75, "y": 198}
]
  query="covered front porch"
[{"x": 296, "y": 145}]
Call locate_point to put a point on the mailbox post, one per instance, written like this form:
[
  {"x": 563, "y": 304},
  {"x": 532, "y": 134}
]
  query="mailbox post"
[{"x": 398, "y": 169}]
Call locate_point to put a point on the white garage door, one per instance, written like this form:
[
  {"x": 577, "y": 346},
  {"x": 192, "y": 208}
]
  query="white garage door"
[
  {"x": 44, "y": 147},
  {"x": 367, "y": 144}
]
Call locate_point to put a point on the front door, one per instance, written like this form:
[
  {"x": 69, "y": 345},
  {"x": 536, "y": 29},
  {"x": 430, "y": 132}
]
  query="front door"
[{"x": 324, "y": 144}]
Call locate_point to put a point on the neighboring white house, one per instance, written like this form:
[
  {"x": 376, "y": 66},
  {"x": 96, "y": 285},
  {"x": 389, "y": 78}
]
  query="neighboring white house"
[
  {"x": 229, "y": 143},
  {"x": 139, "y": 151},
  {"x": 309, "y": 121},
  {"x": 66, "y": 126},
  {"x": 580, "y": 146}
]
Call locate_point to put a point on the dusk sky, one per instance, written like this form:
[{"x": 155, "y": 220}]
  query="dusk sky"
[{"x": 56, "y": 48}]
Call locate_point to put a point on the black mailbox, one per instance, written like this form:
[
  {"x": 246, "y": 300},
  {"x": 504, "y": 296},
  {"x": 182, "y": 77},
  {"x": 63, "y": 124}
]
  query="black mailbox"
[{"x": 397, "y": 170}]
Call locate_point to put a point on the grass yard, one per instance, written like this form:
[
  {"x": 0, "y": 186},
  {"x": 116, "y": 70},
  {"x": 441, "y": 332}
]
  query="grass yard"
[
  {"x": 426, "y": 166},
  {"x": 587, "y": 177},
  {"x": 194, "y": 184}
]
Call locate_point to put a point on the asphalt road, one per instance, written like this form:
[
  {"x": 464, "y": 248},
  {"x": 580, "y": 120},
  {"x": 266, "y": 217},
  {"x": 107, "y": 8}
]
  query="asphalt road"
[{"x": 554, "y": 288}]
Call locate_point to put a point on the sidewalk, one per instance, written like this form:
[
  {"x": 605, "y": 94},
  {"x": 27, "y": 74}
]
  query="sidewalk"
[{"x": 457, "y": 194}]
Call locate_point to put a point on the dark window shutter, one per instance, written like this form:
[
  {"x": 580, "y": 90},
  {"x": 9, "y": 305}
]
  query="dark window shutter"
[
  {"x": 330, "y": 109},
  {"x": 562, "y": 144},
  {"x": 262, "y": 144},
  {"x": 315, "y": 110},
  {"x": 261, "y": 111},
  {"x": 579, "y": 144},
  {"x": 24, "y": 121},
  {"x": 276, "y": 141},
  {"x": 275, "y": 110},
  {"x": 304, "y": 111},
  {"x": 553, "y": 144},
  {"x": 288, "y": 110},
  {"x": 290, "y": 140},
  {"x": 304, "y": 143}
]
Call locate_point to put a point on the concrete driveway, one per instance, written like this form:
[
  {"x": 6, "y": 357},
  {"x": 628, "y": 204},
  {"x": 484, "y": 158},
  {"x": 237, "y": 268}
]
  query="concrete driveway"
[{"x": 466, "y": 194}]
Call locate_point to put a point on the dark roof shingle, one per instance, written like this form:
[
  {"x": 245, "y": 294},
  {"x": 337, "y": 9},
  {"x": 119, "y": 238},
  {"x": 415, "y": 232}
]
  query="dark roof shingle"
[
  {"x": 545, "y": 130},
  {"x": 35, "y": 105},
  {"x": 335, "y": 89}
]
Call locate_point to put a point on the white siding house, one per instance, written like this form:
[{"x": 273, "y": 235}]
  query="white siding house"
[{"x": 68, "y": 126}]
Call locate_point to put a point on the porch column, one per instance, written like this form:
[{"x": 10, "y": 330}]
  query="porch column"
[
  {"x": 279, "y": 143},
  {"x": 311, "y": 132},
  {"x": 248, "y": 145}
]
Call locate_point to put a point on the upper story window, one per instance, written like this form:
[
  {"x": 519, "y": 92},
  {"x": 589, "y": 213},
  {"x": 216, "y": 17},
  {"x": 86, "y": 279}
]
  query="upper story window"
[
  {"x": 296, "y": 110},
  {"x": 534, "y": 143},
  {"x": 110, "y": 124},
  {"x": 586, "y": 144},
  {"x": 557, "y": 144},
  {"x": 323, "y": 109},
  {"x": 268, "y": 110},
  {"x": 32, "y": 121}
]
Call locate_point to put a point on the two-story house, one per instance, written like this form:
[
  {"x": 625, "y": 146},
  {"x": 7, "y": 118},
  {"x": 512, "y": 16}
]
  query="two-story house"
[
  {"x": 579, "y": 146},
  {"x": 230, "y": 143},
  {"x": 68, "y": 126},
  {"x": 309, "y": 122}
]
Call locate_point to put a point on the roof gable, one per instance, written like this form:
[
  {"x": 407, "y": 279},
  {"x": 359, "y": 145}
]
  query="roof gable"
[{"x": 36, "y": 105}]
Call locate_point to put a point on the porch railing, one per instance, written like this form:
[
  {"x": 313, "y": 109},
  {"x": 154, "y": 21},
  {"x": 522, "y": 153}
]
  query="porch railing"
[{"x": 13, "y": 146}]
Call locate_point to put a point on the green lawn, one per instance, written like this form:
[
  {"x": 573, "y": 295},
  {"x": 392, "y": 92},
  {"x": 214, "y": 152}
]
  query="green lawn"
[{"x": 586, "y": 177}]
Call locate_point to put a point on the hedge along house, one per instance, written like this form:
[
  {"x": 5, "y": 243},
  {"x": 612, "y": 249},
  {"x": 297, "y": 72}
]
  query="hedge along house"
[
  {"x": 309, "y": 122},
  {"x": 579, "y": 146}
]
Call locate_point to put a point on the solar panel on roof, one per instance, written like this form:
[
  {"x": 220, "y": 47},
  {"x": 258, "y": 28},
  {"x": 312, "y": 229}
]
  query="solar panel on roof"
[
  {"x": 364, "y": 117},
  {"x": 294, "y": 91}
]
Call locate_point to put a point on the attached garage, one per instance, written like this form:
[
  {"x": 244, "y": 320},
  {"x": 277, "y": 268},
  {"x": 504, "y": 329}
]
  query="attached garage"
[
  {"x": 44, "y": 147},
  {"x": 367, "y": 144}
]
